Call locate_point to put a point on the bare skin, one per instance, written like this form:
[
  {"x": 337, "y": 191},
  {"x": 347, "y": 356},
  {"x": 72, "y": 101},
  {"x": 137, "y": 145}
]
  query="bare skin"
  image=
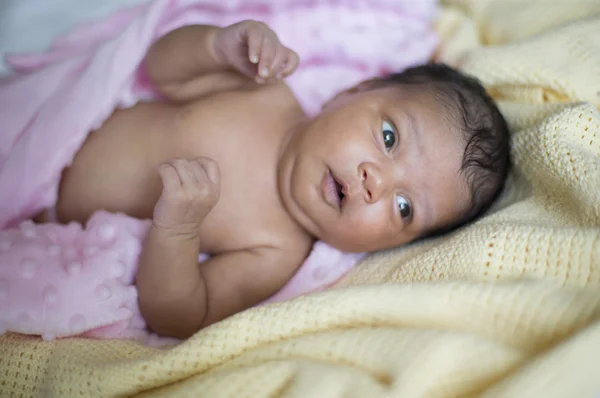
[{"x": 230, "y": 165}]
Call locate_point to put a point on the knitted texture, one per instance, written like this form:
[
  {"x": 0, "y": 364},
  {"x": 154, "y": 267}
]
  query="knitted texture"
[{"x": 506, "y": 307}]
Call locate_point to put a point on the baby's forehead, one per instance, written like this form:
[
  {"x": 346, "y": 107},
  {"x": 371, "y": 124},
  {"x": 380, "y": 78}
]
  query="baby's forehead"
[
  {"x": 418, "y": 96},
  {"x": 426, "y": 103}
]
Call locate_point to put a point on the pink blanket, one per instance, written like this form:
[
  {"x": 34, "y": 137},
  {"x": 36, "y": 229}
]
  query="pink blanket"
[{"x": 57, "y": 97}]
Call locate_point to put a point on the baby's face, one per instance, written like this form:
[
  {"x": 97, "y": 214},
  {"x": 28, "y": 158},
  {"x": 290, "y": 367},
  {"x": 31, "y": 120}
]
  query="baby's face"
[{"x": 376, "y": 169}]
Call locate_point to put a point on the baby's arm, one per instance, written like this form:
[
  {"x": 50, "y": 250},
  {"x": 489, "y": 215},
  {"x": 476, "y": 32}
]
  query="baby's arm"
[
  {"x": 180, "y": 63},
  {"x": 178, "y": 296}
]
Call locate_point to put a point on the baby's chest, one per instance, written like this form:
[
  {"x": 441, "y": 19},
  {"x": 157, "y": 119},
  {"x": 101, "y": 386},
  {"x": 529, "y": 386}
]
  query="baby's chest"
[
  {"x": 249, "y": 212},
  {"x": 233, "y": 128},
  {"x": 225, "y": 230}
]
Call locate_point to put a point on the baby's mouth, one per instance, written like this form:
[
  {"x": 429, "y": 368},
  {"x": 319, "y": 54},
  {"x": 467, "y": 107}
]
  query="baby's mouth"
[
  {"x": 334, "y": 191},
  {"x": 339, "y": 190}
]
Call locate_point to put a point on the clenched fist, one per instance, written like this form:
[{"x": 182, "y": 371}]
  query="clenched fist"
[
  {"x": 254, "y": 50},
  {"x": 190, "y": 190}
]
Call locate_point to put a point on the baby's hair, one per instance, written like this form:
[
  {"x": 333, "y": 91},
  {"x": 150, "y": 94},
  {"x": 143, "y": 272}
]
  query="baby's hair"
[{"x": 486, "y": 157}]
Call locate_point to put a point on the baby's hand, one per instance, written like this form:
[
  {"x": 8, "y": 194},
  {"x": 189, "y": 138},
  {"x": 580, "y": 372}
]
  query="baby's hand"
[
  {"x": 190, "y": 191},
  {"x": 255, "y": 51}
]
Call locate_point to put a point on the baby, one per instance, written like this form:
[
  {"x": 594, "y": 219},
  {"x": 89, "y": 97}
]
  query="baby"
[{"x": 229, "y": 164}]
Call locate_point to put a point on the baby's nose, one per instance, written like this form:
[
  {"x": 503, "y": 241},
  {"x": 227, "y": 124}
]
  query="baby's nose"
[{"x": 373, "y": 181}]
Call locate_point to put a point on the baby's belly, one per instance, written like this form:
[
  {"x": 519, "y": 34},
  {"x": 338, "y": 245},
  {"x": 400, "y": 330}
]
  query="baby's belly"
[{"x": 115, "y": 169}]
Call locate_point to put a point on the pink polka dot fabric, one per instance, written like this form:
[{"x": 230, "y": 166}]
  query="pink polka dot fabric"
[{"x": 64, "y": 280}]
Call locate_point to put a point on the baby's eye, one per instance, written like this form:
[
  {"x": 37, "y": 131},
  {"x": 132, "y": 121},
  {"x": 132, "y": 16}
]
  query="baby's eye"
[
  {"x": 404, "y": 206},
  {"x": 389, "y": 135}
]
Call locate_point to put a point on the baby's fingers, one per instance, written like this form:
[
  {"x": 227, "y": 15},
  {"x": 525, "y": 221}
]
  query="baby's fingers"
[
  {"x": 206, "y": 171},
  {"x": 208, "y": 176},
  {"x": 210, "y": 168},
  {"x": 266, "y": 58},
  {"x": 291, "y": 63},
  {"x": 255, "y": 41},
  {"x": 279, "y": 63},
  {"x": 185, "y": 172},
  {"x": 169, "y": 177}
]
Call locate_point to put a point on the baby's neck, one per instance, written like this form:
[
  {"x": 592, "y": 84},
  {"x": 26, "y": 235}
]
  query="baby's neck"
[{"x": 285, "y": 164}]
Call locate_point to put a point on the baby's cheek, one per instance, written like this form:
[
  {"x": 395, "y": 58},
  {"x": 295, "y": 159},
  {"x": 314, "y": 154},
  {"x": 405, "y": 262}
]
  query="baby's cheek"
[{"x": 368, "y": 223}]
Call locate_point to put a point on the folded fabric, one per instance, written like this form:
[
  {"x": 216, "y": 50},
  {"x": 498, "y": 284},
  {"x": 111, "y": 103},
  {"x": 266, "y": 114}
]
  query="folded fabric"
[
  {"x": 506, "y": 307},
  {"x": 51, "y": 279}
]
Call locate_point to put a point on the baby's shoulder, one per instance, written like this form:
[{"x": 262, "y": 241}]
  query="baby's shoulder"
[
  {"x": 251, "y": 105},
  {"x": 279, "y": 95},
  {"x": 289, "y": 249},
  {"x": 281, "y": 234}
]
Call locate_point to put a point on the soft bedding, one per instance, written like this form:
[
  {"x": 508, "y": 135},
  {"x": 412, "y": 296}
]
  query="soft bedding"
[{"x": 508, "y": 306}]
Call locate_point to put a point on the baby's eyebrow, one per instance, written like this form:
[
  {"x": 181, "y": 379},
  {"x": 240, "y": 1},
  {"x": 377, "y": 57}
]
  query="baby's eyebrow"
[
  {"x": 424, "y": 205},
  {"x": 414, "y": 125},
  {"x": 423, "y": 200},
  {"x": 411, "y": 129}
]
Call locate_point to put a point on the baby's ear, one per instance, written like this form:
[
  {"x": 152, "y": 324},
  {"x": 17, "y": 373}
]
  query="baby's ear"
[{"x": 360, "y": 87}]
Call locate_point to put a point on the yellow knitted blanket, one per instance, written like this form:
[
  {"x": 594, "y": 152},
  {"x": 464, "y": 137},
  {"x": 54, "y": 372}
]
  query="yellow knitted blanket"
[{"x": 506, "y": 307}]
